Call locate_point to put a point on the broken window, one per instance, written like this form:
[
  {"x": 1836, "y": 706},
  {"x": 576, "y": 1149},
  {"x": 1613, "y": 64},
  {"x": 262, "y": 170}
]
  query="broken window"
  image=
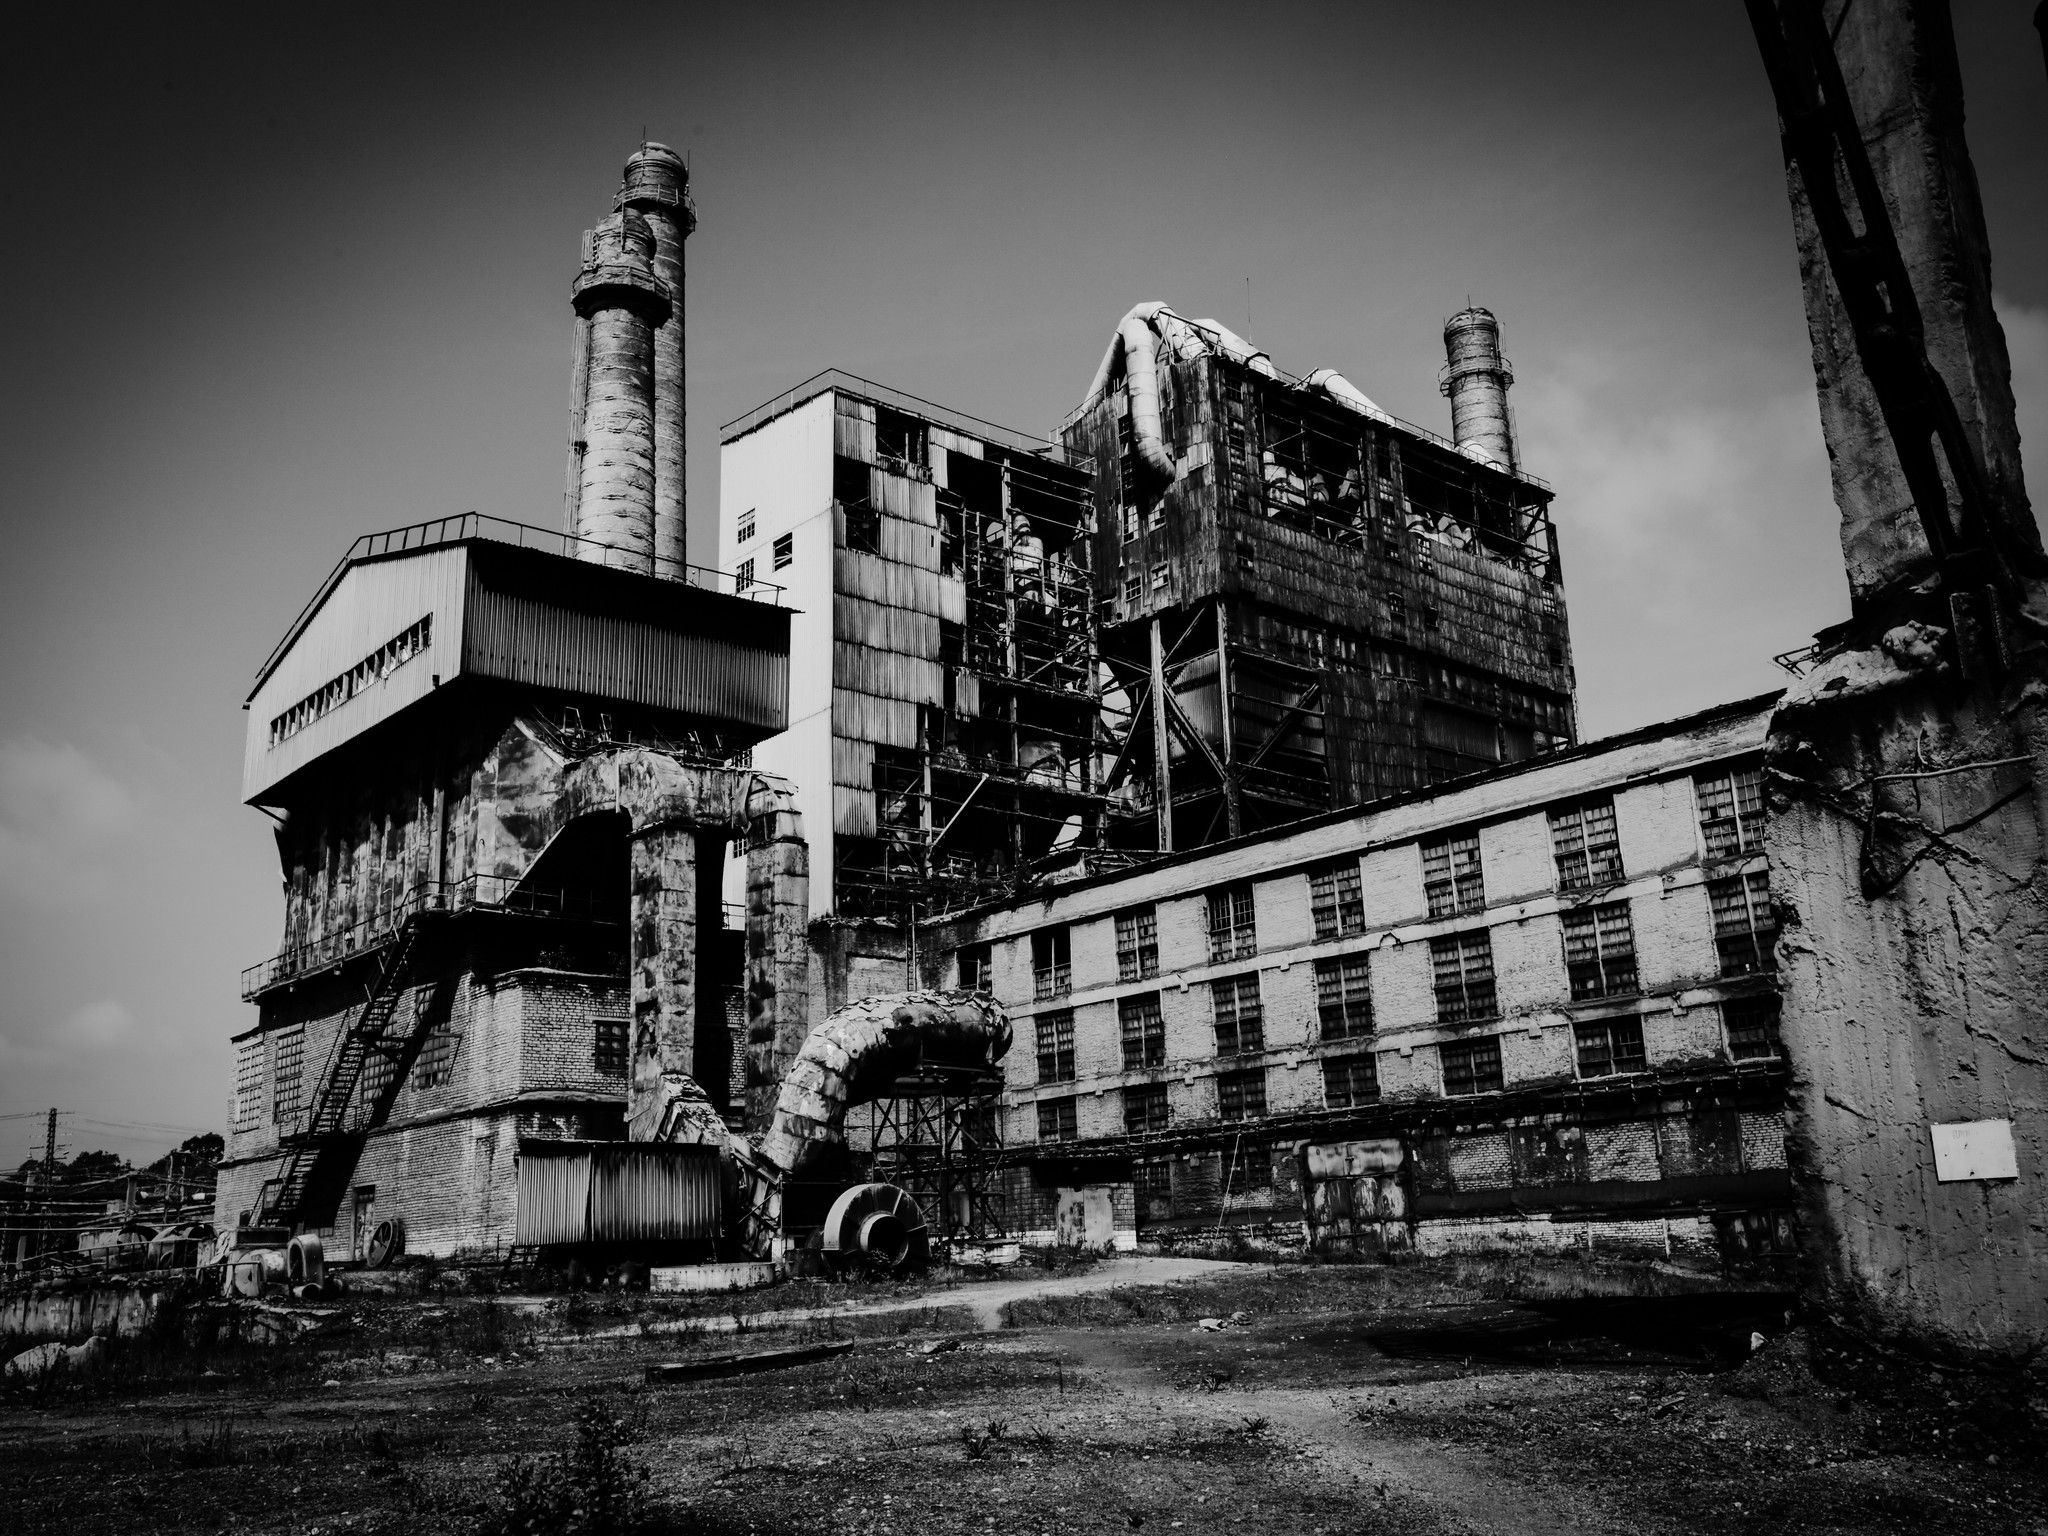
[
  {"x": 1056, "y": 1046},
  {"x": 1344, "y": 997},
  {"x": 1248, "y": 1169},
  {"x": 976, "y": 972},
  {"x": 899, "y": 440},
  {"x": 1233, "y": 933},
  {"x": 1134, "y": 586},
  {"x": 1745, "y": 928},
  {"x": 610, "y": 1046},
  {"x": 1397, "y": 611},
  {"x": 1127, "y": 522},
  {"x": 248, "y": 1083},
  {"x": 1452, "y": 881},
  {"x": 1462, "y": 967},
  {"x": 436, "y": 1061},
  {"x": 1349, "y": 1081},
  {"x": 1731, "y": 811},
  {"x": 1587, "y": 847},
  {"x": 1143, "y": 1030},
  {"x": 1609, "y": 1046},
  {"x": 1334, "y": 900},
  {"x": 1052, "y": 966},
  {"x": 1600, "y": 951},
  {"x": 1241, "y": 1095},
  {"x": 1240, "y": 1018},
  {"x": 1471, "y": 1066},
  {"x": 1137, "y": 944},
  {"x": 288, "y": 1077},
  {"x": 784, "y": 549},
  {"x": 1159, "y": 577},
  {"x": 1057, "y": 1121},
  {"x": 1752, "y": 1025},
  {"x": 1145, "y": 1109},
  {"x": 746, "y": 528},
  {"x": 1152, "y": 1185},
  {"x": 852, "y": 488}
]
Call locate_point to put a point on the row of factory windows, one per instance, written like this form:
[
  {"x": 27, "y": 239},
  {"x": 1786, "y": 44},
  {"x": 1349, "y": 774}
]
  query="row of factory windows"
[
  {"x": 1599, "y": 940},
  {"x": 431, "y": 1068},
  {"x": 1601, "y": 1048}
]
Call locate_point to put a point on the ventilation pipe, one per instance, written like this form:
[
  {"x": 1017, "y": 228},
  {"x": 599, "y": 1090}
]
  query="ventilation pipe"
[
  {"x": 1476, "y": 378},
  {"x": 1135, "y": 349},
  {"x": 1330, "y": 382},
  {"x": 623, "y": 304},
  {"x": 657, "y": 187}
]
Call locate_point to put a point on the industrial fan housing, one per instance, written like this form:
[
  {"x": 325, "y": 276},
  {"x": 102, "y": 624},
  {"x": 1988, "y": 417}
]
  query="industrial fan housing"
[{"x": 878, "y": 1225}]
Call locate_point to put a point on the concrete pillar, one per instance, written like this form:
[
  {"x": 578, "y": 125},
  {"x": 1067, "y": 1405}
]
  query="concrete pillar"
[
  {"x": 662, "y": 955},
  {"x": 625, "y": 304},
  {"x": 778, "y": 954},
  {"x": 657, "y": 187}
]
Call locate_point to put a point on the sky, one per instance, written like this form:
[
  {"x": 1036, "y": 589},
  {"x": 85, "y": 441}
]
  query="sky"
[{"x": 278, "y": 276}]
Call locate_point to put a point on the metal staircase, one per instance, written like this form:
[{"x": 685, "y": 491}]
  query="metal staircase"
[{"x": 336, "y": 1124}]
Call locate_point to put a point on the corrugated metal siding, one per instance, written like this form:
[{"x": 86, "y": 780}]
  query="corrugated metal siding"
[
  {"x": 640, "y": 1191},
  {"x": 617, "y": 1191},
  {"x": 531, "y": 642},
  {"x": 554, "y": 1193}
]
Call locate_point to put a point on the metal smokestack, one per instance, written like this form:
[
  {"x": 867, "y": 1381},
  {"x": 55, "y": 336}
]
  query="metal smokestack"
[
  {"x": 1476, "y": 377},
  {"x": 657, "y": 187},
  {"x": 620, "y": 306}
]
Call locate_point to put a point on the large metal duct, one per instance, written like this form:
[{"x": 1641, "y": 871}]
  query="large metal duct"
[
  {"x": 1340, "y": 389},
  {"x": 1476, "y": 377},
  {"x": 657, "y": 187},
  {"x": 861, "y": 1050},
  {"x": 1135, "y": 349},
  {"x": 624, "y": 303}
]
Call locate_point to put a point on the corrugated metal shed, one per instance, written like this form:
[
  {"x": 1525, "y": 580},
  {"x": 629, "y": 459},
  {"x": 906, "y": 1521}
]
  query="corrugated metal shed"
[{"x": 617, "y": 1191}]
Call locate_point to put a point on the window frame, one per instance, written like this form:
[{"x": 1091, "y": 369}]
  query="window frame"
[
  {"x": 1573, "y": 851},
  {"x": 1606, "y": 948},
  {"x": 1228, "y": 1011},
  {"x": 1602, "y": 1040},
  {"x": 611, "y": 1037},
  {"x": 1335, "y": 911},
  {"x": 1137, "y": 942},
  {"x": 287, "y": 1066},
  {"x": 1346, "y": 1000},
  {"x": 1156, "y": 1105},
  {"x": 1770, "y": 1010},
  {"x": 782, "y": 553},
  {"x": 1237, "y": 937},
  {"x": 1142, "y": 1010},
  {"x": 1064, "y": 1118},
  {"x": 1238, "y": 1085},
  {"x": 1735, "y": 832},
  {"x": 974, "y": 968},
  {"x": 1052, "y": 962},
  {"x": 1472, "y": 1055},
  {"x": 1053, "y": 1033},
  {"x": 1350, "y": 1061},
  {"x": 1452, "y": 889},
  {"x": 1472, "y": 998},
  {"x": 1758, "y": 937}
]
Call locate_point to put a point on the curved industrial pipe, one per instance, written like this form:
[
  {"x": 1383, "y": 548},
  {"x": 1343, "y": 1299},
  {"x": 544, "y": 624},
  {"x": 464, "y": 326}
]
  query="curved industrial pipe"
[
  {"x": 1332, "y": 383},
  {"x": 1136, "y": 346},
  {"x": 858, "y": 1053}
]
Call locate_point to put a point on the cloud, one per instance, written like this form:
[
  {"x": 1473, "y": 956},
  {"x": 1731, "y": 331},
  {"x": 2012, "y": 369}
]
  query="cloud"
[
  {"x": 62, "y": 821},
  {"x": 97, "y": 1026}
]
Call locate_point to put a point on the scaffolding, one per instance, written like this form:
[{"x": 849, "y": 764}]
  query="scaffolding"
[{"x": 938, "y": 1135}]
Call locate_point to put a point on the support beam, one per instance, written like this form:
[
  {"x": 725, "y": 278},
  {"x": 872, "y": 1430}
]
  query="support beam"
[
  {"x": 1162, "y": 774},
  {"x": 1232, "y": 804}
]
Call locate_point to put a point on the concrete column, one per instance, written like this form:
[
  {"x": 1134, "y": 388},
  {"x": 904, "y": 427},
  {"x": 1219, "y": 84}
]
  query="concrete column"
[
  {"x": 778, "y": 953},
  {"x": 662, "y": 944},
  {"x": 624, "y": 303},
  {"x": 657, "y": 187}
]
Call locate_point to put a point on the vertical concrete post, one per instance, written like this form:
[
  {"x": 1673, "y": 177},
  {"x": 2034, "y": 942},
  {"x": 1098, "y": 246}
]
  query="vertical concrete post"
[
  {"x": 624, "y": 302},
  {"x": 657, "y": 187},
  {"x": 778, "y": 954},
  {"x": 662, "y": 954}
]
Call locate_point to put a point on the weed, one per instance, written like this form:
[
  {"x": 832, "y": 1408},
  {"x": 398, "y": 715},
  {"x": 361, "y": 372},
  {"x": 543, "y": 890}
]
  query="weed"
[
  {"x": 215, "y": 1448},
  {"x": 1043, "y": 1442},
  {"x": 975, "y": 1445},
  {"x": 1256, "y": 1424},
  {"x": 589, "y": 1489},
  {"x": 998, "y": 1430}
]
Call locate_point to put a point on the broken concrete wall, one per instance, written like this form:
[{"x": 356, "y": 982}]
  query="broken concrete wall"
[{"x": 1908, "y": 772}]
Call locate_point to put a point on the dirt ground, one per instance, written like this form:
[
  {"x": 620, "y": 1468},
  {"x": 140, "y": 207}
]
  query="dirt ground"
[{"x": 1332, "y": 1399}]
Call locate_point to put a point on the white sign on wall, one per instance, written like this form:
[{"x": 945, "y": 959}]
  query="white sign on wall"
[{"x": 1974, "y": 1149}]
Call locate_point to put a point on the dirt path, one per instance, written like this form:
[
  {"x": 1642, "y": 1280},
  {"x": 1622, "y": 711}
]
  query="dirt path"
[{"x": 982, "y": 1300}]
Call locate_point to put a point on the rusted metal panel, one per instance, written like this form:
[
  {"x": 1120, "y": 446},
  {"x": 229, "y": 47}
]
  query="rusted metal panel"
[
  {"x": 553, "y": 1194},
  {"x": 617, "y": 1191},
  {"x": 643, "y": 1191}
]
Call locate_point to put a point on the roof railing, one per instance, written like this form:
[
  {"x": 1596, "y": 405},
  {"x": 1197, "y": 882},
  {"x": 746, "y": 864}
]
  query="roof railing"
[
  {"x": 909, "y": 404},
  {"x": 440, "y": 531}
]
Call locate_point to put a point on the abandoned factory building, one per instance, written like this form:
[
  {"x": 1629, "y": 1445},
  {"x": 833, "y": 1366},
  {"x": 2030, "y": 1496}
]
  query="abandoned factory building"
[{"x": 1225, "y": 736}]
